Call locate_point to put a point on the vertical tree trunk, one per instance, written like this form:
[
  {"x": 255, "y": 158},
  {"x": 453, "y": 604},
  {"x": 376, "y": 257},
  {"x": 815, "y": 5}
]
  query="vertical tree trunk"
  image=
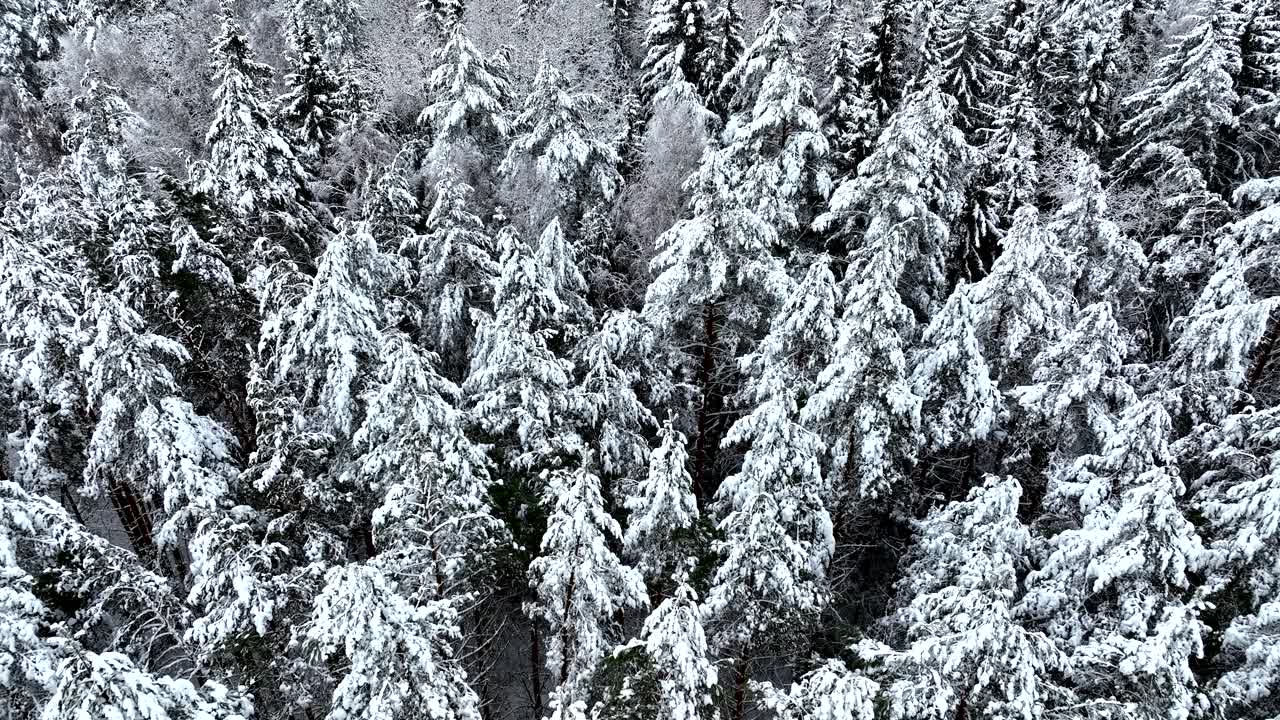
[
  {"x": 134, "y": 518},
  {"x": 535, "y": 669},
  {"x": 704, "y": 447},
  {"x": 741, "y": 675},
  {"x": 1261, "y": 358}
]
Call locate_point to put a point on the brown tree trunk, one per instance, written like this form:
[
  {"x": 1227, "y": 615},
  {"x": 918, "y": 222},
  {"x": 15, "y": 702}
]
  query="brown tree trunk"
[
  {"x": 134, "y": 518},
  {"x": 1261, "y": 358},
  {"x": 741, "y": 676}
]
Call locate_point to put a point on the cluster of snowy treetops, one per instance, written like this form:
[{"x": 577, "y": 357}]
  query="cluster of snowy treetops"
[{"x": 948, "y": 389}]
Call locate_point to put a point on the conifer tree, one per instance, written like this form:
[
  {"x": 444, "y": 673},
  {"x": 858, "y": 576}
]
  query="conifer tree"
[
  {"x": 676, "y": 40},
  {"x": 434, "y": 519},
  {"x": 713, "y": 270},
  {"x": 959, "y": 400},
  {"x": 579, "y": 583},
  {"x": 472, "y": 98},
  {"x": 310, "y": 107},
  {"x": 1012, "y": 152},
  {"x": 515, "y": 388},
  {"x": 557, "y": 152},
  {"x": 721, "y": 55},
  {"x": 1026, "y": 299},
  {"x": 847, "y": 115},
  {"x": 338, "y": 25},
  {"x": 968, "y": 65},
  {"x": 1133, "y": 550},
  {"x": 828, "y": 692},
  {"x": 662, "y": 509},
  {"x": 880, "y": 70},
  {"x": 776, "y": 138},
  {"x": 398, "y": 655},
  {"x": 1081, "y": 81},
  {"x": 445, "y": 14},
  {"x": 967, "y": 652},
  {"x": 673, "y": 638},
  {"x": 1111, "y": 264},
  {"x": 1189, "y": 102}
]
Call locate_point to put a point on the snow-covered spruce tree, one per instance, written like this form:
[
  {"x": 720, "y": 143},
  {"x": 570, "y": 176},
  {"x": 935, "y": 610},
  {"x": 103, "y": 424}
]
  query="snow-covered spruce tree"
[
  {"x": 912, "y": 182},
  {"x": 828, "y": 692},
  {"x": 328, "y": 341},
  {"x": 310, "y": 108},
  {"x": 676, "y": 41},
  {"x": 456, "y": 270},
  {"x": 252, "y": 169},
  {"x": 775, "y": 138},
  {"x": 434, "y": 520},
  {"x": 1111, "y": 264},
  {"x": 1190, "y": 100},
  {"x": 674, "y": 640},
  {"x": 880, "y": 68},
  {"x": 471, "y": 103},
  {"x": 578, "y": 581},
  {"x": 41, "y": 300},
  {"x": 69, "y": 595},
  {"x": 1077, "y": 390},
  {"x": 556, "y": 163},
  {"x": 1114, "y": 589},
  {"x": 966, "y": 652},
  {"x": 611, "y": 367},
  {"x": 338, "y": 25},
  {"x": 1232, "y": 329},
  {"x": 662, "y": 512},
  {"x": 515, "y": 388},
  {"x": 959, "y": 400},
  {"x": 147, "y": 439},
  {"x": 779, "y": 484},
  {"x": 715, "y": 278},
  {"x": 722, "y": 55},
  {"x": 112, "y": 685},
  {"x": 397, "y": 655},
  {"x": 445, "y": 15},
  {"x": 1012, "y": 154},
  {"x": 847, "y": 114},
  {"x": 1258, "y": 86},
  {"x": 1081, "y": 73},
  {"x": 1026, "y": 300},
  {"x": 120, "y": 228},
  {"x": 968, "y": 65}
]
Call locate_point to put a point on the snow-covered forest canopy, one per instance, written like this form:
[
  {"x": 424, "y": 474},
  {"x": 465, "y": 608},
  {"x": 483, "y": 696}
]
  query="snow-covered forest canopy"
[{"x": 640, "y": 359}]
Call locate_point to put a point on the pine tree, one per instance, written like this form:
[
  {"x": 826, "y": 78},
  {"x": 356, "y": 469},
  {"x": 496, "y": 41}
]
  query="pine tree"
[
  {"x": 446, "y": 15},
  {"x": 673, "y": 638},
  {"x": 310, "y": 107},
  {"x": 662, "y": 511},
  {"x": 329, "y": 340},
  {"x": 959, "y": 400},
  {"x": 863, "y": 407},
  {"x": 775, "y": 138},
  {"x": 1189, "y": 102},
  {"x": 1081, "y": 80},
  {"x": 111, "y": 685},
  {"x": 910, "y": 182},
  {"x": 579, "y": 583},
  {"x": 966, "y": 651},
  {"x": 398, "y": 655}
]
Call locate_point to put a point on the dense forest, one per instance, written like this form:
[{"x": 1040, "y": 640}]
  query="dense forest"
[{"x": 631, "y": 360}]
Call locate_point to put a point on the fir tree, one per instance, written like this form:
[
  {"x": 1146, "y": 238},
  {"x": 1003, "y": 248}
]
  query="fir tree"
[
  {"x": 662, "y": 509},
  {"x": 968, "y": 66},
  {"x": 338, "y": 25},
  {"x": 828, "y": 692},
  {"x": 722, "y": 55},
  {"x": 310, "y": 108},
  {"x": 880, "y": 69},
  {"x": 676, "y": 40},
  {"x": 847, "y": 115},
  {"x": 472, "y": 99}
]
